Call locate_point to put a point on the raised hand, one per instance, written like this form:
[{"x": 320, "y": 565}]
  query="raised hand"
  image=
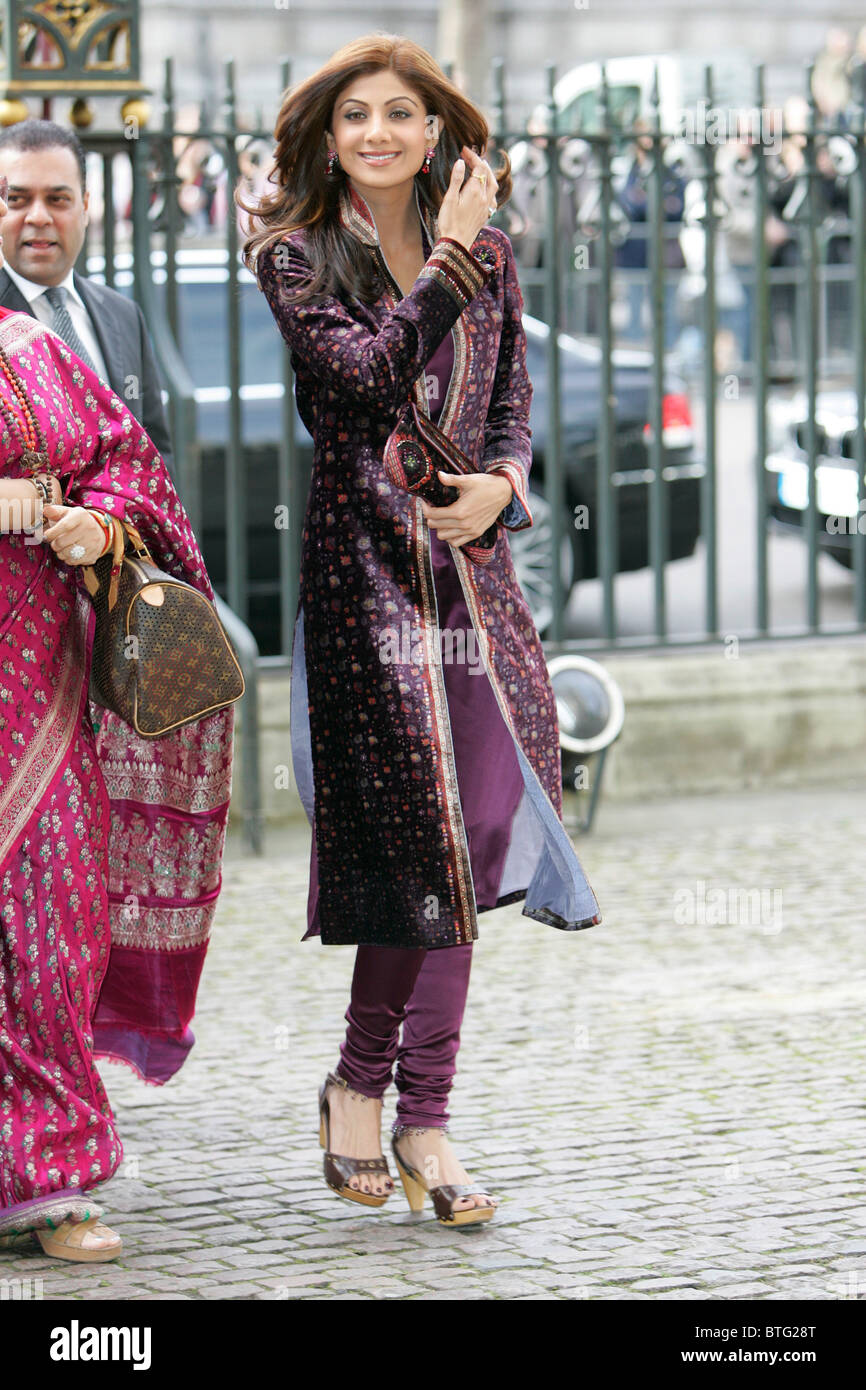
[{"x": 466, "y": 207}]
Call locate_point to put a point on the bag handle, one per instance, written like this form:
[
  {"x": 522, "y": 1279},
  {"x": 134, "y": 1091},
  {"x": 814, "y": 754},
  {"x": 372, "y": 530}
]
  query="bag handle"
[
  {"x": 118, "y": 529},
  {"x": 140, "y": 547}
]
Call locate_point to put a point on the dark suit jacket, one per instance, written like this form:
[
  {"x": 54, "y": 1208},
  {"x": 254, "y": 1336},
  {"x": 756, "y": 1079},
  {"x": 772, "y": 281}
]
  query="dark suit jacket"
[{"x": 121, "y": 332}]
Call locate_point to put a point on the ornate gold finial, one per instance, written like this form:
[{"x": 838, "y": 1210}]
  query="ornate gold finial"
[
  {"x": 11, "y": 112},
  {"x": 82, "y": 113},
  {"x": 136, "y": 111}
]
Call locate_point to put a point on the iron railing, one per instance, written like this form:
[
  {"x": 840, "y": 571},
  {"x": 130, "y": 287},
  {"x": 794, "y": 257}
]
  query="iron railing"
[{"x": 573, "y": 168}]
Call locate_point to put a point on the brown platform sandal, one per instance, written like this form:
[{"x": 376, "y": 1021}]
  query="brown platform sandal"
[
  {"x": 338, "y": 1167},
  {"x": 444, "y": 1196}
]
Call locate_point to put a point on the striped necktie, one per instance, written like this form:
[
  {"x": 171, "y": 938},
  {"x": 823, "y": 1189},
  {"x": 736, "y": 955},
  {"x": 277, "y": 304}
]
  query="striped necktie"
[{"x": 64, "y": 327}]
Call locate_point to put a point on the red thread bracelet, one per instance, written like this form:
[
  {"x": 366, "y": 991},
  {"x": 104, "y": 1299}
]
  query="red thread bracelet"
[{"x": 108, "y": 534}]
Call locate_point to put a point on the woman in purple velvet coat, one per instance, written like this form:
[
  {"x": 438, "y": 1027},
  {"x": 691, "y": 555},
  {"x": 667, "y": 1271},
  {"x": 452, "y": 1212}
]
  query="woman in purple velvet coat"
[{"x": 424, "y": 732}]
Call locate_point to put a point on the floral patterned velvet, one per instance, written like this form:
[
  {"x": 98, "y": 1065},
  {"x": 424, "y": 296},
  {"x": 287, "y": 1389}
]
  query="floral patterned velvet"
[{"x": 372, "y": 741}]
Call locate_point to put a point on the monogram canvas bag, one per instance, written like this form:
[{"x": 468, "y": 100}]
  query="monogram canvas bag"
[{"x": 161, "y": 657}]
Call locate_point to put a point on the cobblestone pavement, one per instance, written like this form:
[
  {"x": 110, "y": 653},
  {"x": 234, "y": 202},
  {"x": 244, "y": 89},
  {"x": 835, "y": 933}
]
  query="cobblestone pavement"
[{"x": 669, "y": 1105}]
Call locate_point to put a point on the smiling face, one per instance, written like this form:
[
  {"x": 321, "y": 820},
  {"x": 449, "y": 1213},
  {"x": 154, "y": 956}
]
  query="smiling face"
[
  {"x": 381, "y": 115},
  {"x": 43, "y": 228}
]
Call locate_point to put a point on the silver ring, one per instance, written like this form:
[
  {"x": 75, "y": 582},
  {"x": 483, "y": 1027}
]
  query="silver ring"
[
  {"x": 491, "y": 209},
  {"x": 76, "y": 552}
]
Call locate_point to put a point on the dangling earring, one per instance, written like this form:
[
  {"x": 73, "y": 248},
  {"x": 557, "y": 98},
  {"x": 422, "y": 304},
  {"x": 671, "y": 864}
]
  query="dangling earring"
[
  {"x": 332, "y": 160},
  {"x": 432, "y": 128}
]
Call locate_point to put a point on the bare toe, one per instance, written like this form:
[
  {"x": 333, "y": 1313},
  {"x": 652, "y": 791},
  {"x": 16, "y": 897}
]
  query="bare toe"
[
  {"x": 100, "y": 1238},
  {"x": 92, "y": 1242},
  {"x": 478, "y": 1199}
]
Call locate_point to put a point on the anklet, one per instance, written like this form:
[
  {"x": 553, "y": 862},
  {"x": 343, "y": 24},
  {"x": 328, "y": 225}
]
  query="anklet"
[{"x": 400, "y": 1130}]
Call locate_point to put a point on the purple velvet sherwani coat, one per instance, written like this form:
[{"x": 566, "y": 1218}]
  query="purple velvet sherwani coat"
[{"x": 372, "y": 741}]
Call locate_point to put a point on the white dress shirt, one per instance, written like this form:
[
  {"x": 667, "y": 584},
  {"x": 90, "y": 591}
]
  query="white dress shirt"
[{"x": 35, "y": 296}]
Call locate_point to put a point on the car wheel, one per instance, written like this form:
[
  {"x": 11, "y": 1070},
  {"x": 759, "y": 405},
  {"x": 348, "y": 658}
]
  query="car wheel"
[{"x": 530, "y": 551}]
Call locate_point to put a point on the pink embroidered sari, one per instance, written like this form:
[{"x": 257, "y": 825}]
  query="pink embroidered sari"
[{"x": 110, "y": 845}]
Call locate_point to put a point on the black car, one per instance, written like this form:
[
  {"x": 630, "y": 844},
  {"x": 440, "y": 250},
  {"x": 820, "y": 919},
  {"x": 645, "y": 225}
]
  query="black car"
[
  {"x": 631, "y": 473},
  {"x": 205, "y": 349}
]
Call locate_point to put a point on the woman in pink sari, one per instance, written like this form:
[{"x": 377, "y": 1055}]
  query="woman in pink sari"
[{"x": 110, "y": 845}]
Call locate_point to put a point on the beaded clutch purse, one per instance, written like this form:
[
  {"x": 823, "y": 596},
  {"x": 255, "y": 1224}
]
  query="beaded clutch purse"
[{"x": 414, "y": 452}]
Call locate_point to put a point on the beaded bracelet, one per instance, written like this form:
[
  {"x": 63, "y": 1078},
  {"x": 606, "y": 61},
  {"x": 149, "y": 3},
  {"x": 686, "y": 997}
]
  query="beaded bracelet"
[{"x": 43, "y": 489}]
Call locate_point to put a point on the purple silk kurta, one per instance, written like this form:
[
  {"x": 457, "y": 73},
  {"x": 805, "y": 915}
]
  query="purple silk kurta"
[{"x": 398, "y": 750}]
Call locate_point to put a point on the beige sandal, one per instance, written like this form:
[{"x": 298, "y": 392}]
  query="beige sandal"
[{"x": 64, "y": 1242}]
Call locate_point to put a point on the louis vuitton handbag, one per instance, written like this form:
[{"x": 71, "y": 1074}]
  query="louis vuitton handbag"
[
  {"x": 414, "y": 451},
  {"x": 161, "y": 657}
]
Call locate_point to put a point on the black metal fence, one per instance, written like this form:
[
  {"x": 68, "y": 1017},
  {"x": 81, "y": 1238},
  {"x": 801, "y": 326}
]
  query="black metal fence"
[{"x": 669, "y": 262}]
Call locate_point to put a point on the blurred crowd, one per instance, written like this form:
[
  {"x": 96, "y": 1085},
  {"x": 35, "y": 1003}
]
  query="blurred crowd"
[
  {"x": 202, "y": 189},
  {"x": 838, "y": 92}
]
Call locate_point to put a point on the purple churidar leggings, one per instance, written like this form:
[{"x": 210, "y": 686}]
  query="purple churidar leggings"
[
  {"x": 426, "y": 992},
  {"x": 423, "y": 990}
]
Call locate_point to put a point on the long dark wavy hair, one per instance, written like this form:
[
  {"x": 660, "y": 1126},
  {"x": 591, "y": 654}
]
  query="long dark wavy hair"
[{"x": 307, "y": 196}]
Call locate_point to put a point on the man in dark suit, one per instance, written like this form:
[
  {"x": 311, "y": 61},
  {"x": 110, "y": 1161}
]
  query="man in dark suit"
[{"x": 43, "y": 234}]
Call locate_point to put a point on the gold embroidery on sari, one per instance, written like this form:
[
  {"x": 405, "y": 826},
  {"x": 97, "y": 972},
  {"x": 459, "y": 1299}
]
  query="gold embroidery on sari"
[
  {"x": 18, "y": 331},
  {"x": 52, "y": 738}
]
